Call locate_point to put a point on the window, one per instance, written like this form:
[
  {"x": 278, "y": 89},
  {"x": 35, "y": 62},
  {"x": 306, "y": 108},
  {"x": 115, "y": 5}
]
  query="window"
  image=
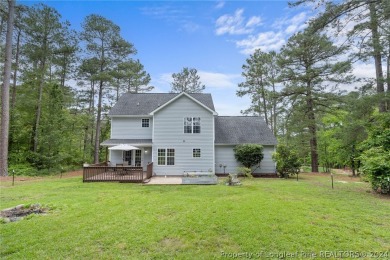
[
  {"x": 196, "y": 153},
  {"x": 196, "y": 125},
  {"x": 145, "y": 122},
  {"x": 127, "y": 156},
  {"x": 138, "y": 158},
  {"x": 192, "y": 125},
  {"x": 161, "y": 157},
  {"x": 170, "y": 156},
  {"x": 166, "y": 157},
  {"x": 188, "y": 125}
]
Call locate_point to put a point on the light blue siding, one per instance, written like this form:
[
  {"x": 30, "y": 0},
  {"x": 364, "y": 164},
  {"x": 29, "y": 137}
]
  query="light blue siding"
[
  {"x": 130, "y": 128},
  {"x": 224, "y": 155},
  {"x": 146, "y": 156},
  {"x": 169, "y": 134}
]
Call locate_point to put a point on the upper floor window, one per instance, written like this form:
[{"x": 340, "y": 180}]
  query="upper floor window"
[
  {"x": 192, "y": 125},
  {"x": 145, "y": 122}
]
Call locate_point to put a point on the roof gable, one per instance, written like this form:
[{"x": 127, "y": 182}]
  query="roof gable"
[
  {"x": 181, "y": 95},
  {"x": 242, "y": 129},
  {"x": 142, "y": 104}
]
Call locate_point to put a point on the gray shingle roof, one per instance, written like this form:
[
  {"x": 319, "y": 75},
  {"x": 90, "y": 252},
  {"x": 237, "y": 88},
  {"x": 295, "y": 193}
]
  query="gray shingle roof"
[
  {"x": 126, "y": 141},
  {"x": 144, "y": 103},
  {"x": 242, "y": 129}
]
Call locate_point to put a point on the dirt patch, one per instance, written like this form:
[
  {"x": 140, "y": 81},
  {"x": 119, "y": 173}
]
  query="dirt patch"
[
  {"x": 172, "y": 244},
  {"x": 21, "y": 211}
]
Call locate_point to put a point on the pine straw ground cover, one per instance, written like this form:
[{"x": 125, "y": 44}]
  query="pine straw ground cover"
[{"x": 264, "y": 217}]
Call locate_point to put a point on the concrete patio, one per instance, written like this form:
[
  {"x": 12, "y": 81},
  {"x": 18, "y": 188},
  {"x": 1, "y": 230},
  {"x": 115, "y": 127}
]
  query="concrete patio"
[{"x": 164, "y": 180}]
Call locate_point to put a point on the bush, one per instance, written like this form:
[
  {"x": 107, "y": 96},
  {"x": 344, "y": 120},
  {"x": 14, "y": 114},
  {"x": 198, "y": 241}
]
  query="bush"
[
  {"x": 287, "y": 161},
  {"x": 376, "y": 156},
  {"x": 249, "y": 155},
  {"x": 22, "y": 170},
  {"x": 377, "y": 169},
  {"x": 243, "y": 171}
]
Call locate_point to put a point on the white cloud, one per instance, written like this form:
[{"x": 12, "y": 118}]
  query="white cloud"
[
  {"x": 293, "y": 24},
  {"x": 218, "y": 80},
  {"x": 266, "y": 41},
  {"x": 283, "y": 28},
  {"x": 253, "y": 21},
  {"x": 220, "y": 4},
  {"x": 235, "y": 24},
  {"x": 363, "y": 70},
  {"x": 273, "y": 40}
]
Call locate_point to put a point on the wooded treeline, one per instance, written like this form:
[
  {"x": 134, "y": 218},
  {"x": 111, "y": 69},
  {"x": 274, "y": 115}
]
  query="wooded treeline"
[
  {"x": 62, "y": 84},
  {"x": 299, "y": 90}
]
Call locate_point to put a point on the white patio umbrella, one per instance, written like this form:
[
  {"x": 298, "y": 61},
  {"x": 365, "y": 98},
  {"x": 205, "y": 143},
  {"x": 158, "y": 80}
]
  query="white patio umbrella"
[{"x": 123, "y": 147}]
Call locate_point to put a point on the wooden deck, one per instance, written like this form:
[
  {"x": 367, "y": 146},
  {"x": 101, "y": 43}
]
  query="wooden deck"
[{"x": 101, "y": 173}]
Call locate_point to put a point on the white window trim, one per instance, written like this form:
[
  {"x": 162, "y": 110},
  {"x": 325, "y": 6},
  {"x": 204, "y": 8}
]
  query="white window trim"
[
  {"x": 142, "y": 122},
  {"x": 166, "y": 157},
  {"x": 192, "y": 124},
  {"x": 200, "y": 153}
]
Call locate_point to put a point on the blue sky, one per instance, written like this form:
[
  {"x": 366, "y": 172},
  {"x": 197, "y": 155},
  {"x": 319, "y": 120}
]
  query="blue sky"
[{"x": 215, "y": 37}]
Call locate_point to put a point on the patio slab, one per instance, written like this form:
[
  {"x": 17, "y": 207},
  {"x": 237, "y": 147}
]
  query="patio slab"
[{"x": 165, "y": 181}]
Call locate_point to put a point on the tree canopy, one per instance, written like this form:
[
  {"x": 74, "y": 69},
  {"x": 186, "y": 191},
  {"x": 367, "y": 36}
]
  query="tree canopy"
[{"x": 187, "y": 81}]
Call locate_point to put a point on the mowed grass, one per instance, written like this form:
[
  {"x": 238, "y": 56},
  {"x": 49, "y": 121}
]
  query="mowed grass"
[{"x": 265, "y": 217}]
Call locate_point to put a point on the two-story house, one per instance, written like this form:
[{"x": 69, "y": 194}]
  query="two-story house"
[{"x": 182, "y": 133}]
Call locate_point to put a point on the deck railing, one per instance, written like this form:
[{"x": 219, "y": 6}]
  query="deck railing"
[
  {"x": 149, "y": 170},
  {"x": 113, "y": 173}
]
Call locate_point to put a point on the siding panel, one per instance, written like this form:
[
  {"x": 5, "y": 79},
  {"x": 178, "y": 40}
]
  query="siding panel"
[
  {"x": 224, "y": 155},
  {"x": 130, "y": 128},
  {"x": 169, "y": 133}
]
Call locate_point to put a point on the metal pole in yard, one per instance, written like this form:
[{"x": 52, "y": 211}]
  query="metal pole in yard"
[
  {"x": 13, "y": 177},
  {"x": 331, "y": 175}
]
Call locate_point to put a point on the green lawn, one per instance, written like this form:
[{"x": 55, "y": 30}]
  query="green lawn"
[{"x": 263, "y": 216}]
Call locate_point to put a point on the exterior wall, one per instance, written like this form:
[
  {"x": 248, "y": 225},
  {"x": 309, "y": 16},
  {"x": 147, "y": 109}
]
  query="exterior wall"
[
  {"x": 224, "y": 155},
  {"x": 169, "y": 133},
  {"x": 130, "y": 128},
  {"x": 146, "y": 156},
  {"x": 115, "y": 157}
]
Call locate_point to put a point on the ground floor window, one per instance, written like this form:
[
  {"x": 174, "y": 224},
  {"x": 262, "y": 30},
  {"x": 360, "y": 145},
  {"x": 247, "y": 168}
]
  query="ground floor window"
[
  {"x": 127, "y": 157},
  {"x": 137, "y": 158},
  {"x": 166, "y": 156},
  {"x": 196, "y": 153},
  {"x": 170, "y": 156}
]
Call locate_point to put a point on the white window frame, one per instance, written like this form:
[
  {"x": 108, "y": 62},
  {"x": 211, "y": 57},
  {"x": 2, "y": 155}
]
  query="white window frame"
[
  {"x": 165, "y": 156},
  {"x": 192, "y": 123},
  {"x": 194, "y": 152},
  {"x": 170, "y": 156},
  {"x": 145, "y": 121}
]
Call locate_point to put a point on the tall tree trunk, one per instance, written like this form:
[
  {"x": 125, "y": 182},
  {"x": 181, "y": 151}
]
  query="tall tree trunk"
[
  {"x": 312, "y": 130},
  {"x": 13, "y": 96},
  {"x": 388, "y": 75},
  {"x": 35, "y": 131},
  {"x": 274, "y": 107},
  {"x": 264, "y": 102},
  {"x": 377, "y": 57},
  {"x": 63, "y": 72},
  {"x": 98, "y": 122},
  {"x": 5, "y": 91}
]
